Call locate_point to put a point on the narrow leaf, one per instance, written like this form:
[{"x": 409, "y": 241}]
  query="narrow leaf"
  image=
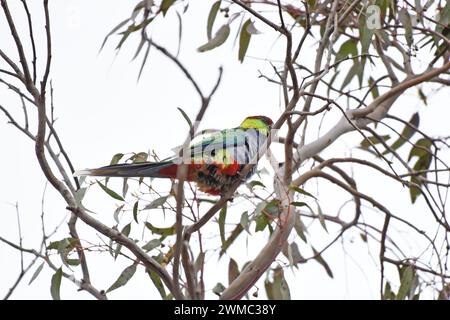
[
  {"x": 56, "y": 284},
  {"x": 300, "y": 190},
  {"x": 405, "y": 283},
  {"x": 233, "y": 271},
  {"x": 211, "y": 18},
  {"x": 405, "y": 20},
  {"x": 116, "y": 213},
  {"x": 161, "y": 231},
  {"x": 117, "y": 27},
  {"x": 244, "y": 40},
  {"x": 36, "y": 273},
  {"x": 135, "y": 211},
  {"x": 324, "y": 264},
  {"x": 234, "y": 234},
  {"x": 222, "y": 217},
  {"x": 348, "y": 48},
  {"x": 407, "y": 133},
  {"x": 219, "y": 38},
  {"x": 110, "y": 192},
  {"x": 126, "y": 232},
  {"x": 156, "y": 203},
  {"x": 152, "y": 244},
  {"x": 186, "y": 117},
  {"x": 124, "y": 277},
  {"x": 218, "y": 289},
  {"x": 165, "y": 5},
  {"x": 158, "y": 283}
]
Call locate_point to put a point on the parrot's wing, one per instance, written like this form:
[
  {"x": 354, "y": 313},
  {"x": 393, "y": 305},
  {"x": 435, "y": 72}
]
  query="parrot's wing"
[{"x": 237, "y": 144}]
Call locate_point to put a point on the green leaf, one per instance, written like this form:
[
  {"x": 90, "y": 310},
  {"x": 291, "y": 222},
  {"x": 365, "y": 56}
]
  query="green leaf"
[
  {"x": 56, "y": 284},
  {"x": 117, "y": 27},
  {"x": 422, "y": 96},
  {"x": 233, "y": 271},
  {"x": 124, "y": 277},
  {"x": 422, "y": 148},
  {"x": 180, "y": 32},
  {"x": 36, "y": 273},
  {"x": 374, "y": 90},
  {"x": 158, "y": 283},
  {"x": 152, "y": 244},
  {"x": 64, "y": 245},
  {"x": 300, "y": 190},
  {"x": 79, "y": 195},
  {"x": 139, "y": 48},
  {"x": 414, "y": 191},
  {"x": 211, "y": 18},
  {"x": 444, "y": 294},
  {"x": 124, "y": 187},
  {"x": 199, "y": 262},
  {"x": 73, "y": 262},
  {"x": 244, "y": 220},
  {"x": 222, "y": 217},
  {"x": 132, "y": 28},
  {"x": 348, "y": 48},
  {"x": 244, "y": 40},
  {"x": 165, "y": 5},
  {"x": 388, "y": 293},
  {"x": 218, "y": 289},
  {"x": 161, "y": 231},
  {"x": 351, "y": 74},
  {"x": 255, "y": 183},
  {"x": 277, "y": 289},
  {"x": 322, "y": 261},
  {"x": 219, "y": 38},
  {"x": 363, "y": 236},
  {"x": 365, "y": 35},
  {"x": 406, "y": 283},
  {"x": 156, "y": 203},
  {"x": 299, "y": 204},
  {"x": 135, "y": 211},
  {"x": 234, "y": 234},
  {"x": 126, "y": 232},
  {"x": 110, "y": 192},
  {"x": 321, "y": 217},
  {"x": 139, "y": 157},
  {"x": 144, "y": 60},
  {"x": 405, "y": 20},
  {"x": 262, "y": 221},
  {"x": 116, "y": 213},
  {"x": 300, "y": 228},
  {"x": 186, "y": 117},
  {"x": 406, "y": 134},
  {"x": 369, "y": 141},
  {"x": 115, "y": 160},
  {"x": 292, "y": 252}
]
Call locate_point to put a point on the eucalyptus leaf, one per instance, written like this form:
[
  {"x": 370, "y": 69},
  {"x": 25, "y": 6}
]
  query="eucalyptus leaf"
[
  {"x": 222, "y": 217},
  {"x": 110, "y": 192},
  {"x": 211, "y": 18},
  {"x": 219, "y": 38},
  {"x": 124, "y": 277},
  {"x": 56, "y": 285},
  {"x": 156, "y": 203},
  {"x": 244, "y": 40},
  {"x": 36, "y": 273},
  {"x": 233, "y": 271}
]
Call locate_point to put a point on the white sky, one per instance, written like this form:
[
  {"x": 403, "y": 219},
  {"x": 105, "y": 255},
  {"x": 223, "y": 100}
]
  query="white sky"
[{"x": 102, "y": 110}]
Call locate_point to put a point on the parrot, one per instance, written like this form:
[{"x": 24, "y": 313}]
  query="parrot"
[{"x": 214, "y": 163}]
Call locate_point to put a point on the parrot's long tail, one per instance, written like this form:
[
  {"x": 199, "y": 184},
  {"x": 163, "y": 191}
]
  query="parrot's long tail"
[{"x": 166, "y": 169}]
